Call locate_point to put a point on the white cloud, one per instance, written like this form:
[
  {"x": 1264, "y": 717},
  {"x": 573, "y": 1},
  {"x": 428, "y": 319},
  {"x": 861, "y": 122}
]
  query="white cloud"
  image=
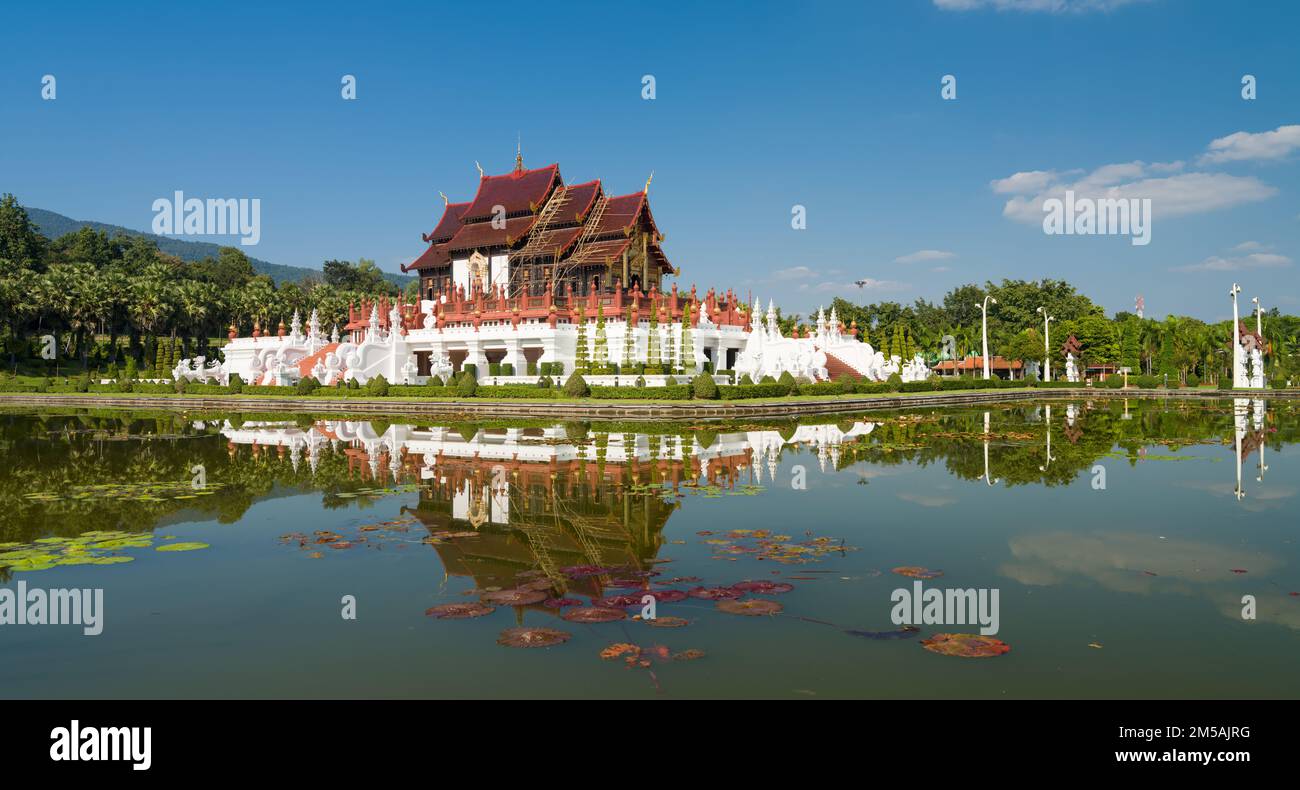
[
  {"x": 1255, "y": 260},
  {"x": 1171, "y": 195},
  {"x": 792, "y": 273},
  {"x": 925, "y": 255},
  {"x": 1025, "y": 183},
  {"x": 1248, "y": 246},
  {"x": 1247, "y": 146},
  {"x": 1035, "y": 6}
]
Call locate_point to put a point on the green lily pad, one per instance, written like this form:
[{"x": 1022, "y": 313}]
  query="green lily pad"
[{"x": 189, "y": 546}]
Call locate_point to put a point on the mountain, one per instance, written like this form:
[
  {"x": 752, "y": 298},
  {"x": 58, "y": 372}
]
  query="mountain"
[{"x": 53, "y": 225}]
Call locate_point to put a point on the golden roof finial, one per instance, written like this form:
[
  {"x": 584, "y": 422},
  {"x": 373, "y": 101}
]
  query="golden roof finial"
[
  {"x": 646, "y": 189},
  {"x": 445, "y": 199},
  {"x": 480, "y": 168},
  {"x": 519, "y": 152}
]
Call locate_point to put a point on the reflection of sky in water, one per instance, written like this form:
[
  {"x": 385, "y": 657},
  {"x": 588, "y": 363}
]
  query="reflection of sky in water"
[{"x": 1144, "y": 568}]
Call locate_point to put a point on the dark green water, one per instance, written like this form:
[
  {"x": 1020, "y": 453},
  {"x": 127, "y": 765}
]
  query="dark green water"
[{"x": 1131, "y": 589}]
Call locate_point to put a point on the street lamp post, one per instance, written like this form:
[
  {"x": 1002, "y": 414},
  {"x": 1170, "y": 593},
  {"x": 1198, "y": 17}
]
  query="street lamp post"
[
  {"x": 1047, "y": 344},
  {"x": 1236, "y": 338},
  {"x": 984, "y": 328}
]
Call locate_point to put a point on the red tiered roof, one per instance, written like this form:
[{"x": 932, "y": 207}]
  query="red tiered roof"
[
  {"x": 523, "y": 194},
  {"x": 449, "y": 224},
  {"x": 517, "y": 191}
]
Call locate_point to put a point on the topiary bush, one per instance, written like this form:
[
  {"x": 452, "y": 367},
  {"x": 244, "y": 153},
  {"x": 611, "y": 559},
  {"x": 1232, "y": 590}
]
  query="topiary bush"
[
  {"x": 703, "y": 387},
  {"x": 306, "y": 385},
  {"x": 1114, "y": 382},
  {"x": 787, "y": 380},
  {"x": 895, "y": 382},
  {"x": 1193, "y": 380},
  {"x": 467, "y": 386},
  {"x": 576, "y": 386},
  {"x": 377, "y": 387},
  {"x": 745, "y": 381}
]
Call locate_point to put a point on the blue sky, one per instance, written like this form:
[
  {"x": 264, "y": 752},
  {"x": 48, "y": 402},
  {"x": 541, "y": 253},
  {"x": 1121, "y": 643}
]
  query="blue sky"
[{"x": 759, "y": 107}]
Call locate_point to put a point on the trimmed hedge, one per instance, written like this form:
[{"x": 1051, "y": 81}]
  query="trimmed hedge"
[
  {"x": 744, "y": 391},
  {"x": 675, "y": 392}
]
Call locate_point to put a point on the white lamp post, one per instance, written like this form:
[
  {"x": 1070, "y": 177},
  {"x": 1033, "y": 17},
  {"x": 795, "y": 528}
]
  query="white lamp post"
[
  {"x": 1236, "y": 339},
  {"x": 984, "y": 327},
  {"x": 1047, "y": 344}
]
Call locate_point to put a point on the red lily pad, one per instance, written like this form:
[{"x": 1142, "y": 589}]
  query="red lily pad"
[
  {"x": 515, "y": 597},
  {"x": 594, "y": 614},
  {"x": 713, "y": 593},
  {"x": 917, "y": 572},
  {"x": 966, "y": 645},
  {"x": 668, "y": 596},
  {"x": 751, "y": 607},
  {"x": 532, "y": 637},
  {"x": 459, "y": 611},
  {"x": 560, "y": 603},
  {"x": 762, "y": 587},
  {"x": 617, "y": 601},
  {"x": 669, "y": 622}
]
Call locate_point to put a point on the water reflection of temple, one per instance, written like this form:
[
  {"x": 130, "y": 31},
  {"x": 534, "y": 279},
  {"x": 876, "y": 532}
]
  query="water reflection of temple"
[
  {"x": 1250, "y": 430},
  {"x": 541, "y": 498}
]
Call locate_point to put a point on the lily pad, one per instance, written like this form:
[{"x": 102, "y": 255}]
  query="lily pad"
[
  {"x": 917, "y": 572},
  {"x": 594, "y": 614},
  {"x": 667, "y": 621},
  {"x": 966, "y": 645},
  {"x": 762, "y": 586},
  {"x": 515, "y": 597},
  {"x": 532, "y": 637},
  {"x": 752, "y": 607},
  {"x": 193, "y": 545},
  {"x": 714, "y": 593},
  {"x": 459, "y": 611}
]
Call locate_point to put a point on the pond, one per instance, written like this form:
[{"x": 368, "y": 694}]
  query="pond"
[{"x": 1127, "y": 548}]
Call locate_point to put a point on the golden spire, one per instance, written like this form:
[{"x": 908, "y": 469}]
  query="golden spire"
[
  {"x": 445, "y": 199},
  {"x": 519, "y": 153},
  {"x": 646, "y": 189},
  {"x": 480, "y": 168}
]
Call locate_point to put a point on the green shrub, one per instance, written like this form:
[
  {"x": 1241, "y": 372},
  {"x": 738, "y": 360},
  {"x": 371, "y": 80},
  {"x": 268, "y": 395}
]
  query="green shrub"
[
  {"x": 467, "y": 386},
  {"x": 507, "y": 369},
  {"x": 306, "y": 385},
  {"x": 743, "y": 391},
  {"x": 235, "y": 384},
  {"x": 640, "y": 382},
  {"x": 1146, "y": 382},
  {"x": 435, "y": 381},
  {"x": 678, "y": 392},
  {"x": 821, "y": 388},
  {"x": 1193, "y": 380},
  {"x": 703, "y": 387},
  {"x": 576, "y": 386},
  {"x": 787, "y": 380},
  {"x": 353, "y": 384},
  {"x": 494, "y": 368},
  {"x": 1031, "y": 380},
  {"x": 544, "y": 383},
  {"x": 471, "y": 370},
  {"x": 895, "y": 382},
  {"x": 745, "y": 381},
  {"x": 1114, "y": 382},
  {"x": 83, "y": 383},
  {"x": 557, "y": 368},
  {"x": 1225, "y": 382},
  {"x": 377, "y": 387},
  {"x": 767, "y": 380},
  {"x": 132, "y": 371}
]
